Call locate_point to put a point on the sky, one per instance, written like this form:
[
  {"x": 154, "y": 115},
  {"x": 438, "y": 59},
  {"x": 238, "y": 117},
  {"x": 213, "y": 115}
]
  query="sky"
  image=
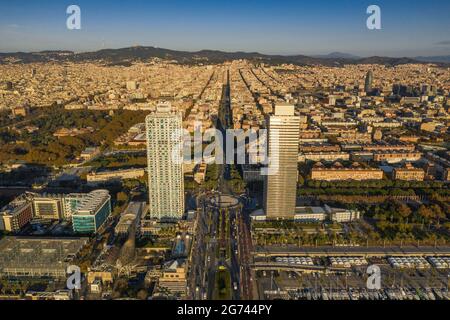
[{"x": 409, "y": 27}]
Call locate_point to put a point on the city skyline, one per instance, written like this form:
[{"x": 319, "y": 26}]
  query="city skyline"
[
  {"x": 364, "y": 168},
  {"x": 259, "y": 171},
  {"x": 268, "y": 27}
]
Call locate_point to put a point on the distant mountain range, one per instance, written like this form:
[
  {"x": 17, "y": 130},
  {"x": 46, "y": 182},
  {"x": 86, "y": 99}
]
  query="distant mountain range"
[
  {"x": 126, "y": 56},
  {"x": 442, "y": 59},
  {"x": 337, "y": 55}
]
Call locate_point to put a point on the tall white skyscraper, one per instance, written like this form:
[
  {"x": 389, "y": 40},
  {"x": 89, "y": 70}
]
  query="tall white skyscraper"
[
  {"x": 165, "y": 163},
  {"x": 280, "y": 189}
]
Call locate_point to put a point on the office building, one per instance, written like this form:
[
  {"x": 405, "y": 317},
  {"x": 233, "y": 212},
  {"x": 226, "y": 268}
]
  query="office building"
[
  {"x": 92, "y": 212},
  {"x": 174, "y": 278},
  {"x": 368, "y": 83},
  {"x": 316, "y": 215},
  {"x": 131, "y": 217},
  {"x": 280, "y": 188},
  {"x": 70, "y": 204},
  {"x": 310, "y": 214},
  {"x": 53, "y": 207},
  {"x": 48, "y": 208},
  {"x": 15, "y": 215},
  {"x": 165, "y": 163}
]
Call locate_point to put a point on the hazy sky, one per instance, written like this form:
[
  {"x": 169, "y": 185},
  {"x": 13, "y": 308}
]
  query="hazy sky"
[{"x": 409, "y": 27}]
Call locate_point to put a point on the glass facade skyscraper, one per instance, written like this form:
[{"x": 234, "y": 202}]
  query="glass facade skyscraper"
[
  {"x": 280, "y": 188},
  {"x": 165, "y": 163}
]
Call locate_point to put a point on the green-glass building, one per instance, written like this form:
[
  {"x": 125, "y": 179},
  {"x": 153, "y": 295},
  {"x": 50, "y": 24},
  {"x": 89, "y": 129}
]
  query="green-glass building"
[{"x": 92, "y": 212}]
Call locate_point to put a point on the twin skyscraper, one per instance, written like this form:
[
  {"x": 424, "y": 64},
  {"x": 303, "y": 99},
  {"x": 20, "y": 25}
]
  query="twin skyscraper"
[
  {"x": 165, "y": 163},
  {"x": 280, "y": 188}
]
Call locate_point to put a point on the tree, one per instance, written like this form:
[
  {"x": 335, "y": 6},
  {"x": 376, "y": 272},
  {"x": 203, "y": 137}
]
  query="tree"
[
  {"x": 447, "y": 226},
  {"x": 404, "y": 211},
  {"x": 131, "y": 184},
  {"x": 438, "y": 213},
  {"x": 425, "y": 212},
  {"x": 122, "y": 198},
  {"x": 142, "y": 294},
  {"x": 121, "y": 286},
  {"x": 301, "y": 180}
]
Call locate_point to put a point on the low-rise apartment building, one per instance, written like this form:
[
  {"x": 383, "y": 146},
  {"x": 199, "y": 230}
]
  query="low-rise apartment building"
[
  {"x": 408, "y": 173},
  {"x": 96, "y": 178},
  {"x": 397, "y": 156},
  {"x": 339, "y": 172}
]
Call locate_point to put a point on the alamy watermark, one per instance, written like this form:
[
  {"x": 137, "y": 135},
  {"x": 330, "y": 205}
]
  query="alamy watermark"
[
  {"x": 73, "y": 22},
  {"x": 73, "y": 278},
  {"x": 374, "y": 20},
  {"x": 374, "y": 279},
  {"x": 238, "y": 146}
]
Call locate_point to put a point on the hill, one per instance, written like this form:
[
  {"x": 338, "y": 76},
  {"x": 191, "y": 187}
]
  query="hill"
[{"x": 126, "y": 56}]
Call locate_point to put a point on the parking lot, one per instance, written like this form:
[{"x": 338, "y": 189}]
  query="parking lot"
[{"x": 355, "y": 278}]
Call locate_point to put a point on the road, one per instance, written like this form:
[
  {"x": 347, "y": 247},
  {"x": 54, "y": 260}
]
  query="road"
[
  {"x": 245, "y": 256},
  {"x": 230, "y": 240},
  {"x": 218, "y": 241},
  {"x": 198, "y": 252},
  {"x": 223, "y": 237}
]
